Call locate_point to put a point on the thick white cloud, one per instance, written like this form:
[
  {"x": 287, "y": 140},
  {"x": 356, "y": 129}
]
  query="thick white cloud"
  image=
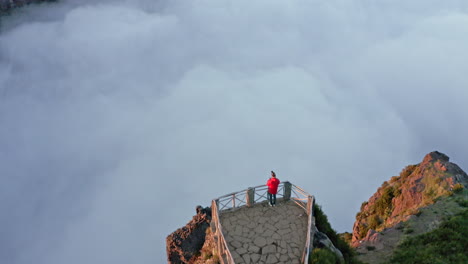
[{"x": 118, "y": 117}]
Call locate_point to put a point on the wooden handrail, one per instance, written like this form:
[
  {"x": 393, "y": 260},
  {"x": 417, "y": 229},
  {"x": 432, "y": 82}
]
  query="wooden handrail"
[
  {"x": 223, "y": 248},
  {"x": 309, "y": 239}
]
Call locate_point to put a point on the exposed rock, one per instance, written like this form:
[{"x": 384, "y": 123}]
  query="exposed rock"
[
  {"x": 434, "y": 165},
  {"x": 398, "y": 199},
  {"x": 434, "y": 156},
  {"x": 183, "y": 245},
  {"x": 412, "y": 203},
  {"x": 208, "y": 253},
  {"x": 321, "y": 240},
  {"x": 373, "y": 236}
]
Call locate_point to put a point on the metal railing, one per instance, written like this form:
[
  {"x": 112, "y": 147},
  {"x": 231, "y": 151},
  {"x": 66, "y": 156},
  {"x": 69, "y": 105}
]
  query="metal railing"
[{"x": 251, "y": 196}]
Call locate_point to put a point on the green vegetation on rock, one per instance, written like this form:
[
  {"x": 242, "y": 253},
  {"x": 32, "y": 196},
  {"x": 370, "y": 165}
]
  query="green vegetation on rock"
[
  {"x": 417, "y": 217},
  {"x": 446, "y": 244},
  {"x": 323, "y": 255},
  {"x": 380, "y": 213}
]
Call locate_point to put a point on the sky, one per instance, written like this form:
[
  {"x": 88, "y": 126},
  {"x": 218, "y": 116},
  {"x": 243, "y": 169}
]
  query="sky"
[{"x": 118, "y": 118}]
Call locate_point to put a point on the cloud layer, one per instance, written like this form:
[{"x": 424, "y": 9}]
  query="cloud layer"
[{"x": 118, "y": 117}]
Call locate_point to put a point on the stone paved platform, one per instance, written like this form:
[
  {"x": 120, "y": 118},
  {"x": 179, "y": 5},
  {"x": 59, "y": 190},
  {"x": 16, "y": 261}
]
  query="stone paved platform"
[{"x": 266, "y": 235}]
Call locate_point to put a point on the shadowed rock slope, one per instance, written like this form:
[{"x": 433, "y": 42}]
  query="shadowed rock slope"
[
  {"x": 412, "y": 203},
  {"x": 185, "y": 244}
]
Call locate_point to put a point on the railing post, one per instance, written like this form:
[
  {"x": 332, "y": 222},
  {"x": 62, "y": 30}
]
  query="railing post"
[
  {"x": 214, "y": 213},
  {"x": 309, "y": 239},
  {"x": 309, "y": 205},
  {"x": 250, "y": 197},
  {"x": 287, "y": 190}
]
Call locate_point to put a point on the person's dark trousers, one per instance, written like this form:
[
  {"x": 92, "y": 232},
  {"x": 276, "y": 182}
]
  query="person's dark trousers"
[{"x": 272, "y": 198}]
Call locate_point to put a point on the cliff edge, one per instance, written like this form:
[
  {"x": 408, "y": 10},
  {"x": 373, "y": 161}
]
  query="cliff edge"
[{"x": 184, "y": 244}]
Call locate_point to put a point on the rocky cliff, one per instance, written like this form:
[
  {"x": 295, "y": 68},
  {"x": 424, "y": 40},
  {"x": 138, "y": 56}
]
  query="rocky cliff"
[
  {"x": 412, "y": 203},
  {"x": 185, "y": 244}
]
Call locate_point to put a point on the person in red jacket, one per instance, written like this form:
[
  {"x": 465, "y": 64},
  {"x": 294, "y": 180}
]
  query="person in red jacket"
[{"x": 272, "y": 184}]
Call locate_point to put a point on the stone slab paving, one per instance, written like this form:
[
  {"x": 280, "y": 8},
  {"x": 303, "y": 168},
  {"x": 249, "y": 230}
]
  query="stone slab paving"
[{"x": 266, "y": 235}]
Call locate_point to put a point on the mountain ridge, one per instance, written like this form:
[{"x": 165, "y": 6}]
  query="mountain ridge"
[{"x": 413, "y": 203}]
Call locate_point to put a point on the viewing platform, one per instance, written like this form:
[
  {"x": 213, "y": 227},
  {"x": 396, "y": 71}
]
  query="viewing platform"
[{"x": 248, "y": 230}]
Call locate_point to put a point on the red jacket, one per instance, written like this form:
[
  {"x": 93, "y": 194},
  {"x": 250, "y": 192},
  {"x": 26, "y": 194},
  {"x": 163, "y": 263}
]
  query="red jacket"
[{"x": 272, "y": 184}]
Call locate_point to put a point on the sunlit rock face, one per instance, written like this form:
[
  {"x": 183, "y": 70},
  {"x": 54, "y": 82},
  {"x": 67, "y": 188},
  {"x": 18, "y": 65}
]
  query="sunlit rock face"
[
  {"x": 412, "y": 203},
  {"x": 399, "y": 198}
]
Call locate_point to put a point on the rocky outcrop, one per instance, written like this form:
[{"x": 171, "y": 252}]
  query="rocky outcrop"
[
  {"x": 398, "y": 199},
  {"x": 412, "y": 203},
  {"x": 208, "y": 253},
  {"x": 321, "y": 240},
  {"x": 184, "y": 245},
  {"x": 435, "y": 169},
  {"x": 6, "y": 5}
]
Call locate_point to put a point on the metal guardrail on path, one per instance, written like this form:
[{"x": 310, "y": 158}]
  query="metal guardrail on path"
[{"x": 251, "y": 196}]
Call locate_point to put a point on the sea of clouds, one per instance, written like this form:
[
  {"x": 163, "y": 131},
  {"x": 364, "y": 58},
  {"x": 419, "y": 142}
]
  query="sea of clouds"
[{"x": 117, "y": 117}]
